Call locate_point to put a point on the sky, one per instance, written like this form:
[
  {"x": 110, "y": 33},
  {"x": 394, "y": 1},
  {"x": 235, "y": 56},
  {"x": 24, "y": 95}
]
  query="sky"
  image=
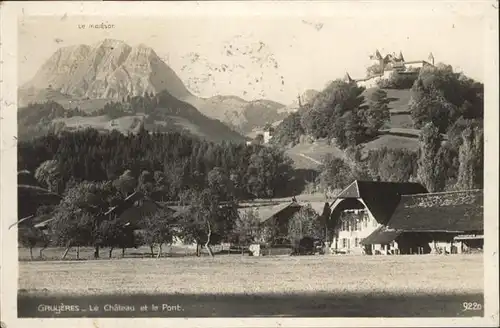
[{"x": 310, "y": 50}]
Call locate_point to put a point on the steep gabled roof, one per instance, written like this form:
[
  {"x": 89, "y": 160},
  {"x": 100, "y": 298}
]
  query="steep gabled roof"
[
  {"x": 381, "y": 198},
  {"x": 459, "y": 211}
]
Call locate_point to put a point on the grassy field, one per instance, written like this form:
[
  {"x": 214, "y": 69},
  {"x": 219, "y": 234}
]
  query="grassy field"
[{"x": 235, "y": 285}]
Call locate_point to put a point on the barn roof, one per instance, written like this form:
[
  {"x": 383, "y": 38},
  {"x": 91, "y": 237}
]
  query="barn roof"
[
  {"x": 366, "y": 189},
  {"x": 458, "y": 211},
  {"x": 381, "y": 235},
  {"x": 381, "y": 198},
  {"x": 265, "y": 213},
  {"x": 125, "y": 204}
]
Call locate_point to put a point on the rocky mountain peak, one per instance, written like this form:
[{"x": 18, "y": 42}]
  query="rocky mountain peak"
[{"x": 107, "y": 69}]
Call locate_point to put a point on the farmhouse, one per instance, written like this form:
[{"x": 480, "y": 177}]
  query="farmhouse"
[
  {"x": 362, "y": 208},
  {"x": 403, "y": 218}
]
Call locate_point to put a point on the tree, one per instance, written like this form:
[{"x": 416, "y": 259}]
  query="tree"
[
  {"x": 159, "y": 228},
  {"x": 431, "y": 106},
  {"x": 146, "y": 183},
  {"x": 247, "y": 227},
  {"x": 113, "y": 233},
  {"x": 268, "y": 173},
  {"x": 470, "y": 157},
  {"x": 335, "y": 173},
  {"x": 31, "y": 237},
  {"x": 430, "y": 170},
  {"x": 78, "y": 218},
  {"x": 126, "y": 183},
  {"x": 395, "y": 165},
  {"x": 160, "y": 187},
  {"x": 259, "y": 139},
  {"x": 206, "y": 220},
  {"x": 49, "y": 175},
  {"x": 377, "y": 113},
  {"x": 289, "y": 131},
  {"x": 331, "y": 105},
  {"x": 442, "y": 96},
  {"x": 304, "y": 223}
]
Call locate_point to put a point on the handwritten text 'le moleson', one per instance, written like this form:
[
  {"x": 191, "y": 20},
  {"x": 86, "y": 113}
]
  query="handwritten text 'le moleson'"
[{"x": 97, "y": 26}]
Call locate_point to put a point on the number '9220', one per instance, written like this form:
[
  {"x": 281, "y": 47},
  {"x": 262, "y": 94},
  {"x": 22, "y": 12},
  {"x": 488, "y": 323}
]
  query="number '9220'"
[{"x": 472, "y": 306}]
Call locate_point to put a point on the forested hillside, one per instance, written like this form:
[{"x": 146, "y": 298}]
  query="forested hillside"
[
  {"x": 183, "y": 162},
  {"x": 446, "y": 109}
]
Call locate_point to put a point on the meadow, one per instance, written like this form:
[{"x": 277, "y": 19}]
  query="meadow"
[{"x": 235, "y": 285}]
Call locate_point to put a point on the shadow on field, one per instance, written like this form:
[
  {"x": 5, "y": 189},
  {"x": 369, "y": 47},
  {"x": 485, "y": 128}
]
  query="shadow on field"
[{"x": 292, "y": 305}]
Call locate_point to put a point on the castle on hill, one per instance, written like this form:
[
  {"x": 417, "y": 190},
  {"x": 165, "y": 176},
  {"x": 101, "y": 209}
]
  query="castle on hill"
[{"x": 383, "y": 66}]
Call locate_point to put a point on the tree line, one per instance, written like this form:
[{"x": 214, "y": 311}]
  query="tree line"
[
  {"x": 94, "y": 214},
  {"x": 87, "y": 155}
]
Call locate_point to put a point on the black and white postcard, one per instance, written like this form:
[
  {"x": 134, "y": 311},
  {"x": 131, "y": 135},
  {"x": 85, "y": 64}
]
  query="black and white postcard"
[{"x": 249, "y": 163}]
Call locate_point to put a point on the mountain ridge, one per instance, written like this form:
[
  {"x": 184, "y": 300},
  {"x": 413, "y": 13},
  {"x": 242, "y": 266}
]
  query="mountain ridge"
[{"x": 107, "y": 69}]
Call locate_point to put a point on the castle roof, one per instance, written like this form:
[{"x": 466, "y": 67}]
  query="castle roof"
[
  {"x": 401, "y": 58},
  {"x": 377, "y": 55}
]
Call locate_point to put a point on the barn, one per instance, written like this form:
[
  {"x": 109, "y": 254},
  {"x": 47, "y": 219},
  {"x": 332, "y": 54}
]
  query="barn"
[{"x": 445, "y": 222}]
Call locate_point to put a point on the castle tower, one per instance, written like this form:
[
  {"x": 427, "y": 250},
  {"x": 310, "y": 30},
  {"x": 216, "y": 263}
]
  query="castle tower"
[
  {"x": 300, "y": 101},
  {"x": 431, "y": 58},
  {"x": 377, "y": 57}
]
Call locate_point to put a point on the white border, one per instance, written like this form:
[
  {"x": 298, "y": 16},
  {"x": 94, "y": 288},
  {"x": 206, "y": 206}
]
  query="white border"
[{"x": 10, "y": 11}]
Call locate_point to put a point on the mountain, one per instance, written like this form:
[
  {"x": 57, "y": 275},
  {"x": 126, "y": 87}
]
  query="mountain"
[
  {"x": 109, "y": 69},
  {"x": 243, "y": 116},
  {"x": 103, "y": 86},
  {"x": 89, "y": 76}
]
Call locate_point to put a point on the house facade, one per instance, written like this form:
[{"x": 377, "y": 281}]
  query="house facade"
[{"x": 355, "y": 225}]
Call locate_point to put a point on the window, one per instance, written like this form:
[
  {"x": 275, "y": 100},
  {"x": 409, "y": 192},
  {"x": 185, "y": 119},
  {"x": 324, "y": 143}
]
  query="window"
[
  {"x": 344, "y": 242},
  {"x": 356, "y": 242}
]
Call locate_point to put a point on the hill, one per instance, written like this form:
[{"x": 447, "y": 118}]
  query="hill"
[
  {"x": 163, "y": 113},
  {"x": 397, "y": 133}
]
